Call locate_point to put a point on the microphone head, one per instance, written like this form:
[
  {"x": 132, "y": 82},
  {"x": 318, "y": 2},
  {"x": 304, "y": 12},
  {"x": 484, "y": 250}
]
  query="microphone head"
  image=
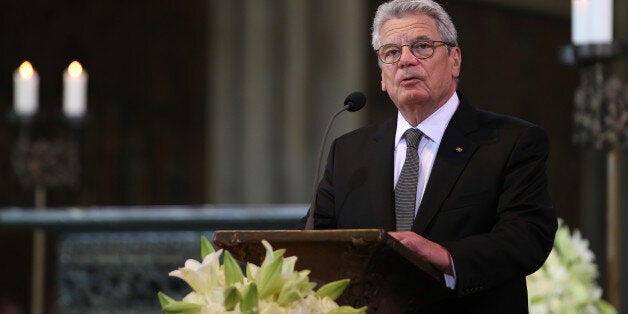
[{"x": 355, "y": 101}]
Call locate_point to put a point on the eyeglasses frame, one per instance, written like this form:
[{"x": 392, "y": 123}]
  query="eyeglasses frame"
[{"x": 432, "y": 42}]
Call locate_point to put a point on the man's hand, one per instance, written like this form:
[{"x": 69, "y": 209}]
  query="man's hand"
[{"x": 430, "y": 251}]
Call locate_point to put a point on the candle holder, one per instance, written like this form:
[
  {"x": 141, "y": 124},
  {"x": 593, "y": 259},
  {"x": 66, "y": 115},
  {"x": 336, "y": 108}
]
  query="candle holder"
[
  {"x": 45, "y": 156},
  {"x": 590, "y": 53},
  {"x": 601, "y": 120},
  {"x": 601, "y": 99},
  {"x": 46, "y": 151}
]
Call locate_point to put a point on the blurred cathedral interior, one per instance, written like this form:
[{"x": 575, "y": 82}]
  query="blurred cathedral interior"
[{"x": 203, "y": 115}]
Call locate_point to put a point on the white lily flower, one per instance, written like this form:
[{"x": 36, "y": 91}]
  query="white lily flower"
[
  {"x": 201, "y": 276},
  {"x": 566, "y": 283},
  {"x": 266, "y": 307},
  {"x": 288, "y": 265},
  {"x": 272, "y": 288}
]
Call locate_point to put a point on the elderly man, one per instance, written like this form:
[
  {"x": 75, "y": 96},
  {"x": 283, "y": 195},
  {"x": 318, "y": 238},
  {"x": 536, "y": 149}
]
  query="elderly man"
[{"x": 464, "y": 189}]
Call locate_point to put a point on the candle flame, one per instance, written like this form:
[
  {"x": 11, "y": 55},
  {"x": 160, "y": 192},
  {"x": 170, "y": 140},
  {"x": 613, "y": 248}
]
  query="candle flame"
[
  {"x": 75, "y": 69},
  {"x": 26, "y": 70}
]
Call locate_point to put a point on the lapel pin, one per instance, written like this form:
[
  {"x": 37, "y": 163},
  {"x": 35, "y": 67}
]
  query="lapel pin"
[{"x": 459, "y": 149}]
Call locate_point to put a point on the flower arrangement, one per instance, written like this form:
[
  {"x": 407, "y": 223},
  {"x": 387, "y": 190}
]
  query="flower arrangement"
[
  {"x": 566, "y": 283},
  {"x": 274, "y": 287}
]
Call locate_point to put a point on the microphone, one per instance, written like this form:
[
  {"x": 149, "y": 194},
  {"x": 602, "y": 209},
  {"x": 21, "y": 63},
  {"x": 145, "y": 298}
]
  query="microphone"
[{"x": 354, "y": 102}]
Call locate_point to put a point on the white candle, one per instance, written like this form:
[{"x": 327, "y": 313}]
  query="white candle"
[
  {"x": 591, "y": 21},
  {"x": 74, "y": 90},
  {"x": 580, "y": 21},
  {"x": 601, "y": 22},
  {"x": 25, "y": 90}
]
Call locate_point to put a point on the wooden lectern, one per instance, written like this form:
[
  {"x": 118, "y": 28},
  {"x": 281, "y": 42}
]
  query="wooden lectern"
[{"x": 385, "y": 275}]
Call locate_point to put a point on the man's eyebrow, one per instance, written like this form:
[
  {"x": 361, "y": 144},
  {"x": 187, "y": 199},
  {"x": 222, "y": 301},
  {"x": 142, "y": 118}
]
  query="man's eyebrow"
[
  {"x": 413, "y": 40},
  {"x": 422, "y": 37}
]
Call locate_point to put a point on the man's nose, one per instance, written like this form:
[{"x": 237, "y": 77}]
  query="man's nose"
[{"x": 407, "y": 58}]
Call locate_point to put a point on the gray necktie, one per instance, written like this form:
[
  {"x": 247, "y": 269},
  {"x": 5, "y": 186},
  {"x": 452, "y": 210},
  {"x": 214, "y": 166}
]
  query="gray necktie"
[{"x": 405, "y": 191}]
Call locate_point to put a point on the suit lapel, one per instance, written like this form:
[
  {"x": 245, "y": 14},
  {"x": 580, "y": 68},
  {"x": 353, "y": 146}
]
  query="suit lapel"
[
  {"x": 454, "y": 152},
  {"x": 381, "y": 163}
]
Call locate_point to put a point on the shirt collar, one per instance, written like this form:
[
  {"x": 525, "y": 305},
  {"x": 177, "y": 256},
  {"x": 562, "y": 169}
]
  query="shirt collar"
[{"x": 434, "y": 126}]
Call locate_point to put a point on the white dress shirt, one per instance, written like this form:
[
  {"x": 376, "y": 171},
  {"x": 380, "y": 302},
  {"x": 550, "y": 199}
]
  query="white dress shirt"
[{"x": 433, "y": 129}]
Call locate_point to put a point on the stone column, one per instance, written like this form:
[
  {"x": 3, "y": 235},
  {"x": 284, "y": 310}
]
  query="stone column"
[
  {"x": 225, "y": 67},
  {"x": 261, "y": 81},
  {"x": 278, "y": 71},
  {"x": 296, "y": 70}
]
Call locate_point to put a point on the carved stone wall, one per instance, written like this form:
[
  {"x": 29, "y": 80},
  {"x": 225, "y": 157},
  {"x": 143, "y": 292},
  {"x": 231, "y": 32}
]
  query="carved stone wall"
[{"x": 122, "y": 272}]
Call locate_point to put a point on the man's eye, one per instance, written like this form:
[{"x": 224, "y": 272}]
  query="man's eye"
[
  {"x": 422, "y": 45},
  {"x": 392, "y": 52}
]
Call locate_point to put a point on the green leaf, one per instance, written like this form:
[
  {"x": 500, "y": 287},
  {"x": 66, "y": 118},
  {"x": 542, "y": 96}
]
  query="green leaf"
[
  {"x": 309, "y": 286},
  {"x": 268, "y": 257},
  {"x": 303, "y": 282},
  {"x": 249, "y": 271},
  {"x": 232, "y": 297},
  {"x": 333, "y": 289},
  {"x": 292, "y": 290},
  {"x": 279, "y": 253},
  {"x": 180, "y": 307},
  {"x": 269, "y": 278},
  {"x": 288, "y": 294},
  {"x": 233, "y": 272},
  {"x": 206, "y": 247},
  {"x": 250, "y": 299},
  {"x": 164, "y": 299},
  {"x": 348, "y": 310}
]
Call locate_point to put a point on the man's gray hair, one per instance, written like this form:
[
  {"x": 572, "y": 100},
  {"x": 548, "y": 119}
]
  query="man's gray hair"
[{"x": 401, "y": 8}]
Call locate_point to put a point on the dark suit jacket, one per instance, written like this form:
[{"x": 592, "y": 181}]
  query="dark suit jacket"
[{"x": 486, "y": 201}]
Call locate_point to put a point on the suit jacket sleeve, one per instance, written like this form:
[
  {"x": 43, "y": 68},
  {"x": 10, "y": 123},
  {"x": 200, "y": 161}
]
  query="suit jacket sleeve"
[
  {"x": 324, "y": 215},
  {"x": 524, "y": 225}
]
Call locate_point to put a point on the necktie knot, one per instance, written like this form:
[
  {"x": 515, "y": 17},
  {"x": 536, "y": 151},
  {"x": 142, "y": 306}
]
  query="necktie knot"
[{"x": 413, "y": 136}]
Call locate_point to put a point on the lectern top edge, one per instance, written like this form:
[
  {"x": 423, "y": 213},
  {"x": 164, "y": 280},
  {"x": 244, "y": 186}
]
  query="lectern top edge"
[{"x": 335, "y": 235}]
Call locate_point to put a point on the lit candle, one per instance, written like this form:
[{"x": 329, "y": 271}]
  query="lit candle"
[
  {"x": 74, "y": 90},
  {"x": 580, "y": 21},
  {"x": 591, "y": 21},
  {"x": 25, "y": 90},
  {"x": 601, "y": 22}
]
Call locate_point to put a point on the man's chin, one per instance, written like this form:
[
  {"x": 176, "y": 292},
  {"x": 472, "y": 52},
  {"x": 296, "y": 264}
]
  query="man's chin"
[{"x": 415, "y": 98}]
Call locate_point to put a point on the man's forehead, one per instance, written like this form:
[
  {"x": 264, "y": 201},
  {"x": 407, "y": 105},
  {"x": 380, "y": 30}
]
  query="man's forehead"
[{"x": 409, "y": 28}]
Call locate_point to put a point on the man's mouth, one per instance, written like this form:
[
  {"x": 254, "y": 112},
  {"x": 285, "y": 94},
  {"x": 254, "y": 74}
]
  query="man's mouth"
[{"x": 408, "y": 81}]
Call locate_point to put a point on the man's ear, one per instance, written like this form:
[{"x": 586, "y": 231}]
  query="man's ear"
[
  {"x": 455, "y": 57},
  {"x": 383, "y": 83}
]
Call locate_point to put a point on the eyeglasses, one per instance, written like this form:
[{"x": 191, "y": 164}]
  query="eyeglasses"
[{"x": 421, "y": 49}]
